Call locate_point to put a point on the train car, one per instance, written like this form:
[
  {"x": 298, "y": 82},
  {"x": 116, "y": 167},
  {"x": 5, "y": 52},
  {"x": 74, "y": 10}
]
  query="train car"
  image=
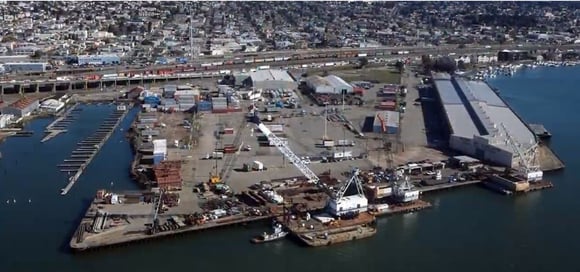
[
  {"x": 258, "y": 60},
  {"x": 278, "y": 59},
  {"x": 269, "y": 60},
  {"x": 249, "y": 61}
]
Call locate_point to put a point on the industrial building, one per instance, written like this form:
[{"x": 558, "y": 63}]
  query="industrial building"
[
  {"x": 271, "y": 80},
  {"x": 329, "y": 85},
  {"x": 23, "y": 107},
  {"x": 481, "y": 124},
  {"x": 25, "y": 67},
  {"x": 386, "y": 122},
  {"x": 98, "y": 59}
]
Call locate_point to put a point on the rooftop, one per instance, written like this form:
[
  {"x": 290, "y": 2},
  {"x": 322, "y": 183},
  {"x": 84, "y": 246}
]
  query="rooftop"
[
  {"x": 473, "y": 108},
  {"x": 264, "y": 75},
  {"x": 22, "y": 103}
]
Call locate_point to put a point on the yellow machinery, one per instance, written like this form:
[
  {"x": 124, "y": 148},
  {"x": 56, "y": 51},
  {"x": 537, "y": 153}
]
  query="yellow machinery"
[{"x": 214, "y": 178}]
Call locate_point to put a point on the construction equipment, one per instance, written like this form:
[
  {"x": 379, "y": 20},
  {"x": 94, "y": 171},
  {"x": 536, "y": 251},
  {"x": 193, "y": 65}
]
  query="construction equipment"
[
  {"x": 339, "y": 204},
  {"x": 527, "y": 164}
]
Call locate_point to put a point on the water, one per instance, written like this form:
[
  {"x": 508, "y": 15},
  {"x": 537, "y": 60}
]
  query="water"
[{"x": 467, "y": 229}]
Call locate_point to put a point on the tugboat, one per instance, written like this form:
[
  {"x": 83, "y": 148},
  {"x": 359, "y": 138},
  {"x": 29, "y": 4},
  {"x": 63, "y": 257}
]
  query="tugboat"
[{"x": 276, "y": 235}]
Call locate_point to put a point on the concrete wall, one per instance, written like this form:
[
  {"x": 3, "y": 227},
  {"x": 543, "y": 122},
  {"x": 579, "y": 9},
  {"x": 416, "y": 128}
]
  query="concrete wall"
[{"x": 480, "y": 148}]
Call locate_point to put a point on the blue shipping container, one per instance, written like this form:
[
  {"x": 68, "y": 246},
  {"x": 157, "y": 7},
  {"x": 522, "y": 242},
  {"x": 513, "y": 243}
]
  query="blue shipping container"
[
  {"x": 204, "y": 106},
  {"x": 157, "y": 158}
]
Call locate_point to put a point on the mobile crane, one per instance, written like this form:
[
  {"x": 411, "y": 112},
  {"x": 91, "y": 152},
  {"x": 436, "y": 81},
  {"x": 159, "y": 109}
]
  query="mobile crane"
[{"x": 339, "y": 204}]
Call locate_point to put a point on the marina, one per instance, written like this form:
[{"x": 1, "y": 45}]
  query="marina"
[
  {"x": 60, "y": 124},
  {"x": 89, "y": 147}
]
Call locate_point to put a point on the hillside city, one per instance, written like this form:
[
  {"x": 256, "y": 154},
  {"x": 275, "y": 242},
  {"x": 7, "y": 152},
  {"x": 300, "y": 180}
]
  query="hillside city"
[{"x": 146, "y": 31}]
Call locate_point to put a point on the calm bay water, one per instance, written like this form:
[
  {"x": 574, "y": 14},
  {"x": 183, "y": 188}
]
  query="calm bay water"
[{"x": 467, "y": 229}]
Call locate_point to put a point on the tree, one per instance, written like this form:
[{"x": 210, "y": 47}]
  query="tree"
[
  {"x": 362, "y": 62},
  {"x": 400, "y": 66},
  {"x": 445, "y": 64},
  {"x": 37, "y": 54},
  {"x": 427, "y": 63},
  {"x": 461, "y": 65}
]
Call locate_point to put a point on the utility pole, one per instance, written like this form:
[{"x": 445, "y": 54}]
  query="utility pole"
[
  {"x": 325, "y": 121},
  {"x": 191, "y": 50}
]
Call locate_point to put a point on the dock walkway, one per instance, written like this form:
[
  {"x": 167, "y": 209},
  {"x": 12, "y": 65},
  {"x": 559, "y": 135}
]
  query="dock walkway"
[{"x": 91, "y": 146}]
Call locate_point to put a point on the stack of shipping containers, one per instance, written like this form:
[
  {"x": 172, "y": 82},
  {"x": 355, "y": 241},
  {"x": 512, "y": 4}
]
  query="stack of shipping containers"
[
  {"x": 219, "y": 105},
  {"x": 167, "y": 174},
  {"x": 186, "y": 97}
]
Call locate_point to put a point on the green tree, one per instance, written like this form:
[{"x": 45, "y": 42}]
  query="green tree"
[{"x": 362, "y": 62}]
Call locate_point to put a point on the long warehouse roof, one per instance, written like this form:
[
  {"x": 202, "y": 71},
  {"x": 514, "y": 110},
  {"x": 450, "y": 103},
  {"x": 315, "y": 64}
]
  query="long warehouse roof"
[
  {"x": 473, "y": 108},
  {"x": 271, "y": 74}
]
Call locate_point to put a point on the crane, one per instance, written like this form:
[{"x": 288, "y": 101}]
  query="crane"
[
  {"x": 339, "y": 204},
  {"x": 528, "y": 167}
]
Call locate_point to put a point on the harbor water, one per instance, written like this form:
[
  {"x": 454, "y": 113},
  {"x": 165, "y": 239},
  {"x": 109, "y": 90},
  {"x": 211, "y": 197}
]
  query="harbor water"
[{"x": 468, "y": 229}]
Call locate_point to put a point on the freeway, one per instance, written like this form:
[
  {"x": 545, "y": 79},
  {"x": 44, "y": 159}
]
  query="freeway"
[{"x": 295, "y": 57}]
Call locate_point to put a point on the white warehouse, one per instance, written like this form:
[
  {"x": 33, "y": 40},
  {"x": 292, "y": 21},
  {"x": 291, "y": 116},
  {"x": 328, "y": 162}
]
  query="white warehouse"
[
  {"x": 271, "y": 80},
  {"x": 26, "y": 67},
  {"x": 481, "y": 124},
  {"x": 328, "y": 85},
  {"x": 98, "y": 59}
]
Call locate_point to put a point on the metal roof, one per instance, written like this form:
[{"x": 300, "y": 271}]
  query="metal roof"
[
  {"x": 390, "y": 118},
  {"x": 266, "y": 75},
  {"x": 473, "y": 108},
  {"x": 336, "y": 81},
  {"x": 447, "y": 92}
]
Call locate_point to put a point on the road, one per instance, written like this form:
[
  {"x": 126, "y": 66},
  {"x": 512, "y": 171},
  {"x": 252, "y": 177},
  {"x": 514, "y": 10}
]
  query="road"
[
  {"x": 414, "y": 52},
  {"x": 412, "y": 123}
]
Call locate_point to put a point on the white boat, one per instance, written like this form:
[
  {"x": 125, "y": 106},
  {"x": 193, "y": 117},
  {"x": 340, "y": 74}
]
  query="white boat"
[{"x": 266, "y": 237}]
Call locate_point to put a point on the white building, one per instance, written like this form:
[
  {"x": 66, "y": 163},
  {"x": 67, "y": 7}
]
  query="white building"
[
  {"x": 26, "y": 67},
  {"x": 99, "y": 59},
  {"x": 271, "y": 79},
  {"x": 52, "y": 106},
  {"x": 328, "y": 85},
  {"x": 477, "y": 116},
  {"x": 5, "y": 120}
]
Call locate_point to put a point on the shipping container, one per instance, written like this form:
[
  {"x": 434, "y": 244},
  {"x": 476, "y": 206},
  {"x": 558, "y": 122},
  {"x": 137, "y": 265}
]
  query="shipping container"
[{"x": 204, "y": 106}]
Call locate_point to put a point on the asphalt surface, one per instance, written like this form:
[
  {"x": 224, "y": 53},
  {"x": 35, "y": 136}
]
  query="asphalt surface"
[{"x": 412, "y": 123}]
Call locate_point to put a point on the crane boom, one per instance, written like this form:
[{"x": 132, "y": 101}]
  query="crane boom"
[
  {"x": 287, "y": 152},
  {"x": 338, "y": 203}
]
